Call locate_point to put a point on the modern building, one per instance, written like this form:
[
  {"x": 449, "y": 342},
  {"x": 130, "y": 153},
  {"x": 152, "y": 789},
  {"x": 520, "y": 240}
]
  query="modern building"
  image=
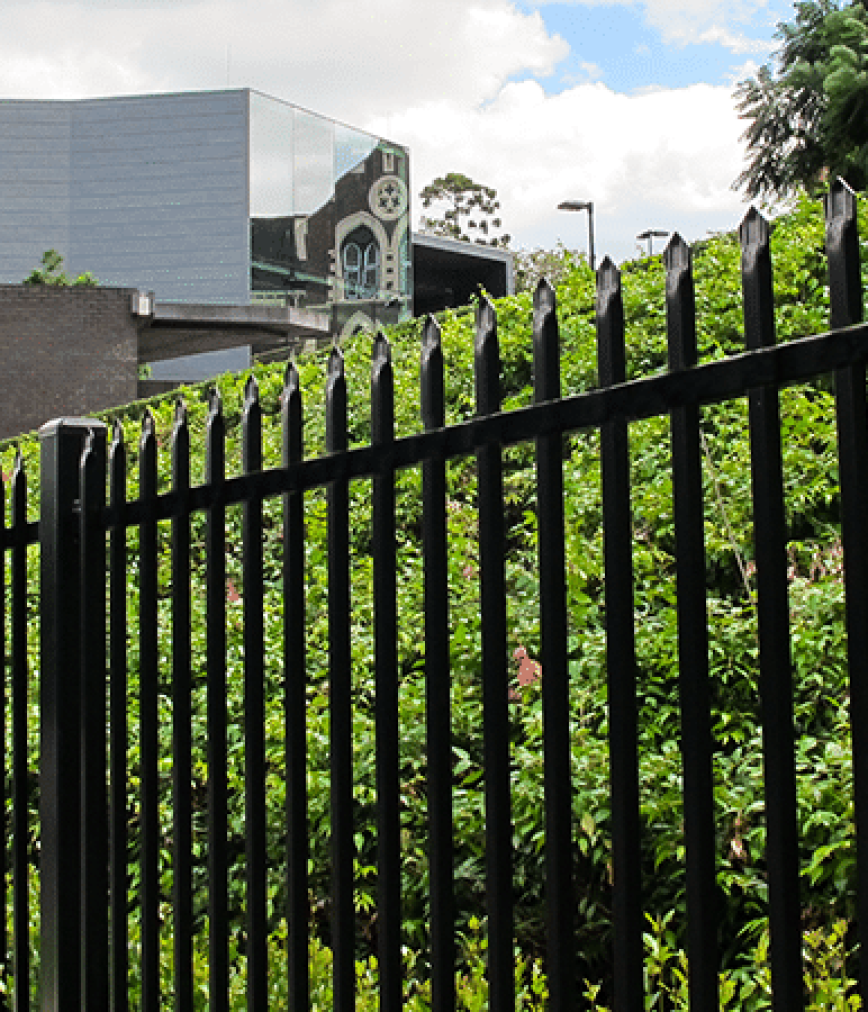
[{"x": 225, "y": 197}]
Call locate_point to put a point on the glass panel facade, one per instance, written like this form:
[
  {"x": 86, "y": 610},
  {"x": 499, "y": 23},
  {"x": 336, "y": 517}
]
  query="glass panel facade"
[{"x": 330, "y": 216}]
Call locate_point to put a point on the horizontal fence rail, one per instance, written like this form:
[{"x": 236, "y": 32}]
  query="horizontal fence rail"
[{"x": 136, "y": 843}]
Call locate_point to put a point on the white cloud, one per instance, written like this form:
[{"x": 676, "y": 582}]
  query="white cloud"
[
  {"x": 338, "y": 57},
  {"x": 661, "y": 159},
  {"x": 453, "y": 80}
]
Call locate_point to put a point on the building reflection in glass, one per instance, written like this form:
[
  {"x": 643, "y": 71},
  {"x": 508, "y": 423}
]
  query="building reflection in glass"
[{"x": 329, "y": 227}]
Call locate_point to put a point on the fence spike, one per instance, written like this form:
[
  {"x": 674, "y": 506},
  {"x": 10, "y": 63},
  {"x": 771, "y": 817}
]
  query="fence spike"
[
  {"x": 842, "y": 251},
  {"x": 336, "y": 402},
  {"x": 486, "y": 359},
  {"x": 180, "y": 412},
  {"x": 430, "y": 339},
  {"x": 290, "y": 379},
  {"x": 754, "y": 230},
  {"x": 251, "y": 391},
  {"x": 677, "y": 254},
  {"x": 840, "y": 201},
  {"x": 117, "y": 433},
  {"x": 611, "y": 353},
  {"x": 431, "y": 375},
  {"x": 215, "y": 403},
  {"x": 608, "y": 275},
  {"x": 545, "y": 299},
  {"x": 546, "y": 351},
  {"x": 382, "y": 350},
  {"x": 680, "y": 304},
  {"x": 382, "y": 391},
  {"x": 148, "y": 426},
  {"x": 756, "y": 279}
]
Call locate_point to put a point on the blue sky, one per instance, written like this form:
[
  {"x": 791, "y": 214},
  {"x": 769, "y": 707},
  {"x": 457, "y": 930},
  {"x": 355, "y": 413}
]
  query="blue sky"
[
  {"x": 616, "y": 43},
  {"x": 624, "y": 102}
]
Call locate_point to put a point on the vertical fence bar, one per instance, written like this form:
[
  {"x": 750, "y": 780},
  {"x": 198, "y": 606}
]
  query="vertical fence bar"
[
  {"x": 845, "y": 291},
  {"x": 696, "y": 741},
  {"x": 218, "y": 856},
  {"x": 20, "y": 818},
  {"x": 148, "y": 719},
  {"x": 620, "y": 653},
  {"x": 118, "y": 842},
  {"x": 495, "y": 682},
  {"x": 776, "y": 694},
  {"x": 295, "y": 701},
  {"x": 254, "y": 710},
  {"x": 61, "y": 444},
  {"x": 182, "y": 716},
  {"x": 437, "y": 669},
  {"x": 386, "y": 678},
  {"x": 340, "y": 701},
  {"x": 560, "y": 901},
  {"x": 94, "y": 824}
]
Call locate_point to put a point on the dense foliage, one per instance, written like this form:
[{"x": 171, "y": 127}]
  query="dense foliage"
[
  {"x": 808, "y": 115},
  {"x": 818, "y": 643}
]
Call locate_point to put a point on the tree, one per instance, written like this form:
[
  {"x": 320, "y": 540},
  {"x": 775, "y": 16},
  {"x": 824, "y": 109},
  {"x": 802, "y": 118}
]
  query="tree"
[
  {"x": 554, "y": 265},
  {"x": 465, "y": 199},
  {"x": 51, "y": 274},
  {"x": 808, "y": 118}
]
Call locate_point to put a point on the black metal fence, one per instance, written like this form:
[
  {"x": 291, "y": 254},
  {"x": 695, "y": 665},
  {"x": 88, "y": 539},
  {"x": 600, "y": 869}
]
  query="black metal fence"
[{"x": 86, "y": 877}]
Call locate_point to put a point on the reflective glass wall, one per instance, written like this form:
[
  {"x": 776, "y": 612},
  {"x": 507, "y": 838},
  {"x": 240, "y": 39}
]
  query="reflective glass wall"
[{"x": 330, "y": 217}]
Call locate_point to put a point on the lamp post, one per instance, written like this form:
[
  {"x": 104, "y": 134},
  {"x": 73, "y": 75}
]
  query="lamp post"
[
  {"x": 650, "y": 234},
  {"x": 583, "y": 205}
]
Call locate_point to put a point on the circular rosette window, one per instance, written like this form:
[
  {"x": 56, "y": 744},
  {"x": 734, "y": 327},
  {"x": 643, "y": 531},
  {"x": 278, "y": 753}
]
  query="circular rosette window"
[{"x": 388, "y": 198}]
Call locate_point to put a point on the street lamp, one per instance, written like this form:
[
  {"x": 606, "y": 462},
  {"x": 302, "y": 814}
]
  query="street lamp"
[
  {"x": 583, "y": 205},
  {"x": 650, "y": 235}
]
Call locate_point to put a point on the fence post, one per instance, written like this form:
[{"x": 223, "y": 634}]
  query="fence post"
[{"x": 63, "y": 753}]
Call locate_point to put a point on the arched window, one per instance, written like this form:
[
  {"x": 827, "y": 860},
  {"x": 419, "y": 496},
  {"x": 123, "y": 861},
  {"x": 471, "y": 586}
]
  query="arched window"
[
  {"x": 360, "y": 260},
  {"x": 352, "y": 264},
  {"x": 371, "y": 270}
]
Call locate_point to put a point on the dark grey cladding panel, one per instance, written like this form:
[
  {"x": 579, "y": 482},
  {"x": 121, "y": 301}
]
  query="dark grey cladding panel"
[
  {"x": 34, "y": 184},
  {"x": 161, "y": 106},
  {"x": 173, "y": 215},
  {"x": 151, "y": 176}
]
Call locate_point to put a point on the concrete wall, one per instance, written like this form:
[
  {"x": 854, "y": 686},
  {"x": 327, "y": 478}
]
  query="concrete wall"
[{"x": 63, "y": 352}]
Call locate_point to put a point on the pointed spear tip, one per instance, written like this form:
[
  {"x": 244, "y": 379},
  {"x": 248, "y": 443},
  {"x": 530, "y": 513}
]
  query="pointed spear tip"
[
  {"x": 486, "y": 317},
  {"x": 753, "y": 230},
  {"x": 215, "y": 402},
  {"x": 607, "y": 273},
  {"x": 544, "y": 297},
  {"x": 251, "y": 391},
  {"x": 290, "y": 376},
  {"x": 840, "y": 201},
  {"x": 117, "y": 431},
  {"x": 336, "y": 361},
  {"x": 430, "y": 331},
  {"x": 180, "y": 411},
  {"x": 677, "y": 253},
  {"x": 148, "y": 424},
  {"x": 381, "y": 350}
]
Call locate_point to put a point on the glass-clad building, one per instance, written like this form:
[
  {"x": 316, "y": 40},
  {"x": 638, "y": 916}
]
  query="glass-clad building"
[
  {"x": 329, "y": 216},
  {"x": 225, "y": 197}
]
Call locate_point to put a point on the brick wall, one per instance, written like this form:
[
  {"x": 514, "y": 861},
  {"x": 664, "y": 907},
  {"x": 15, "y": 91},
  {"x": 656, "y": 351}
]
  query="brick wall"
[{"x": 64, "y": 352}]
